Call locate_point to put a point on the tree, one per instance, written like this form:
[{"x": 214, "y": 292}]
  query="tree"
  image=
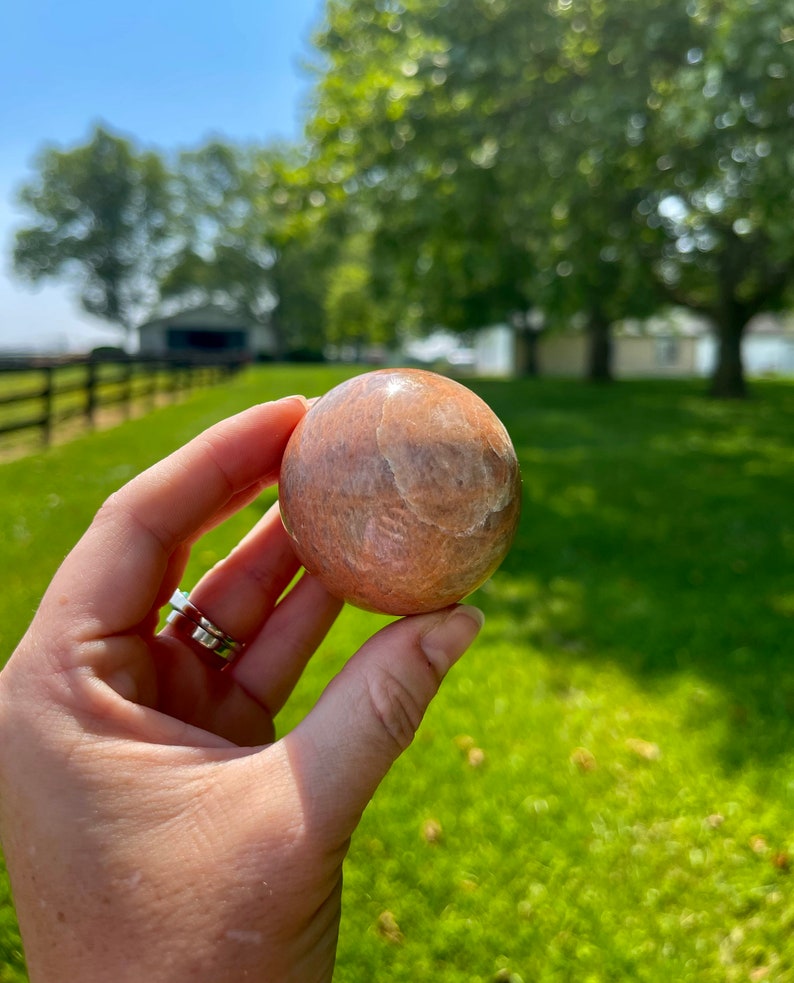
[
  {"x": 99, "y": 215},
  {"x": 480, "y": 134},
  {"x": 589, "y": 158},
  {"x": 222, "y": 256},
  {"x": 253, "y": 237},
  {"x": 307, "y": 233},
  {"x": 354, "y": 316},
  {"x": 437, "y": 253},
  {"x": 722, "y": 175}
]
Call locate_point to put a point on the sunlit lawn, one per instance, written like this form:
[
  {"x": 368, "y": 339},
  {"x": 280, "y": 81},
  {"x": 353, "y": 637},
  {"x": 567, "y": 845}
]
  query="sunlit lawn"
[{"x": 604, "y": 789}]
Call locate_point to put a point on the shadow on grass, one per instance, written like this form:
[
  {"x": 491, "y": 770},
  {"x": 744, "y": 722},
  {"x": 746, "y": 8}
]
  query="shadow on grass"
[{"x": 658, "y": 536}]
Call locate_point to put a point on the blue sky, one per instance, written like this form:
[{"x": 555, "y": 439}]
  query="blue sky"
[{"x": 168, "y": 73}]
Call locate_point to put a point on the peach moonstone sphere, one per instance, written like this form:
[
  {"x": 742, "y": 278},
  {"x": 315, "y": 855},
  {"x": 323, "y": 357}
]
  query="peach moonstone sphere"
[{"x": 401, "y": 491}]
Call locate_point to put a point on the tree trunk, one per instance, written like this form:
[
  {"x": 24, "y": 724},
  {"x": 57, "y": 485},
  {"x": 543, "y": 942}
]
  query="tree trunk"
[
  {"x": 728, "y": 380},
  {"x": 532, "y": 363},
  {"x": 279, "y": 340},
  {"x": 731, "y": 316},
  {"x": 526, "y": 353},
  {"x": 599, "y": 352}
]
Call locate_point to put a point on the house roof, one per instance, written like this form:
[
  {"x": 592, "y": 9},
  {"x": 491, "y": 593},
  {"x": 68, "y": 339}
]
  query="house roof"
[
  {"x": 684, "y": 323},
  {"x": 210, "y": 316}
]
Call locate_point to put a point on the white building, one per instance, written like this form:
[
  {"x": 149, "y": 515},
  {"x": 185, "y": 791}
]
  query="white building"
[{"x": 679, "y": 347}]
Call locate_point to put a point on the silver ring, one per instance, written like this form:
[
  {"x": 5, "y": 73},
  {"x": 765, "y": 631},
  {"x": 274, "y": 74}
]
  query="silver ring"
[{"x": 203, "y": 631}]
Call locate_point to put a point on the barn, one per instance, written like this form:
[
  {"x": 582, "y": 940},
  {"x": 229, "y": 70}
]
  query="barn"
[{"x": 206, "y": 331}]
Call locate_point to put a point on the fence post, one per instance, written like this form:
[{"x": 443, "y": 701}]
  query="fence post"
[
  {"x": 47, "y": 394},
  {"x": 150, "y": 369},
  {"x": 172, "y": 375},
  {"x": 90, "y": 391},
  {"x": 126, "y": 379}
]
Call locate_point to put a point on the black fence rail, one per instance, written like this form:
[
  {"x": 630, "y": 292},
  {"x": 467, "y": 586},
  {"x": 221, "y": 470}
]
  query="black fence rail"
[{"x": 45, "y": 393}]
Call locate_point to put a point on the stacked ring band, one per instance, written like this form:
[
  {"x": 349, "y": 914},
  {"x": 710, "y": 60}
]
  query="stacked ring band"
[{"x": 203, "y": 631}]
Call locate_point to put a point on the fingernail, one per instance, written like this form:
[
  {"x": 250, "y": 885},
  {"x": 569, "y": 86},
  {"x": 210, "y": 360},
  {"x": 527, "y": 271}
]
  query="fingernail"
[
  {"x": 446, "y": 642},
  {"x": 297, "y": 397}
]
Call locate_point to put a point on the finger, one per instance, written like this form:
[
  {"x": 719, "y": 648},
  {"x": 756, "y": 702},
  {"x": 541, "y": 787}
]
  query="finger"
[
  {"x": 271, "y": 667},
  {"x": 240, "y": 592},
  {"x": 369, "y": 714},
  {"x": 179, "y": 558},
  {"x": 113, "y": 577},
  {"x": 241, "y": 595}
]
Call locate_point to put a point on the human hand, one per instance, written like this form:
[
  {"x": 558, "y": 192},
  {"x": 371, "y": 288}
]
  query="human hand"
[{"x": 153, "y": 827}]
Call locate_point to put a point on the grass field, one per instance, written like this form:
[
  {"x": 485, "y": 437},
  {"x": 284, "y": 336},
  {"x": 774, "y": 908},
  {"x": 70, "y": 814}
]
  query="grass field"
[{"x": 604, "y": 789}]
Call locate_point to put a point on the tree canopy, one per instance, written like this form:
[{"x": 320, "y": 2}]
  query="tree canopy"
[
  {"x": 466, "y": 162},
  {"x": 588, "y": 158},
  {"x": 242, "y": 227},
  {"x": 100, "y": 216}
]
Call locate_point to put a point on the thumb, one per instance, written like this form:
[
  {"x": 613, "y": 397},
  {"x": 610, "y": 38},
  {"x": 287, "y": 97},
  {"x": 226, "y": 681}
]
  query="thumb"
[{"x": 370, "y": 713}]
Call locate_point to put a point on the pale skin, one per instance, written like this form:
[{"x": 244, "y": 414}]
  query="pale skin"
[{"x": 153, "y": 826}]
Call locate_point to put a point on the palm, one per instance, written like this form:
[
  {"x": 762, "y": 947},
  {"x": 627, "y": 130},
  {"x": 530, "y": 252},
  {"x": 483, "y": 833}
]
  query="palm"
[
  {"x": 191, "y": 692},
  {"x": 132, "y": 773}
]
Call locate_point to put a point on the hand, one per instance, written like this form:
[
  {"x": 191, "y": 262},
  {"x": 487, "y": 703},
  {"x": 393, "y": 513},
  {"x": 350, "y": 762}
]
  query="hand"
[{"x": 153, "y": 828}]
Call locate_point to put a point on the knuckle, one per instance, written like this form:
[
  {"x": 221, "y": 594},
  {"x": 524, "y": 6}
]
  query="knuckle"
[
  {"x": 112, "y": 504},
  {"x": 395, "y": 708}
]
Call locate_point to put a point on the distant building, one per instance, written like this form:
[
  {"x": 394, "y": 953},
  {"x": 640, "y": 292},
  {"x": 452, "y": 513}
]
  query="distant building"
[
  {"x": 208, "y": 330},
  {"x": 682, "y": 347},
  {"x": 657, "y": 356},
  {"x": 495, "y": 351}
]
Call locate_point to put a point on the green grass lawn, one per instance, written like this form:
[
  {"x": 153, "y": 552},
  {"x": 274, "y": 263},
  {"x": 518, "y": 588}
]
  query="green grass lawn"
[{"x": 604, "y": 789}]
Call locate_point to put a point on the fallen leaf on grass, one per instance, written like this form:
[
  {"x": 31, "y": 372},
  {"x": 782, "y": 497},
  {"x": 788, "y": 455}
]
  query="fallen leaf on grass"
[
  {"x": 432, "y": 831},
  {"x": 505, "y": 976},
  {"x": 388, "y": 928},
  {"x": 583, "y": 759},
  {"x": 644, "y": 749},
  {"x": 475, "y": 757}
]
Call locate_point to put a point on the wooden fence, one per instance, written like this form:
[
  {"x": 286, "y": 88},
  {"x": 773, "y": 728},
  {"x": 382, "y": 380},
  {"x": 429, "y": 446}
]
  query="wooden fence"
[{"x": 44, "y": 393}]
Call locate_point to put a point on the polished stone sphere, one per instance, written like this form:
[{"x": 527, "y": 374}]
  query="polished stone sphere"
[{"x": 401, "y": 491}]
